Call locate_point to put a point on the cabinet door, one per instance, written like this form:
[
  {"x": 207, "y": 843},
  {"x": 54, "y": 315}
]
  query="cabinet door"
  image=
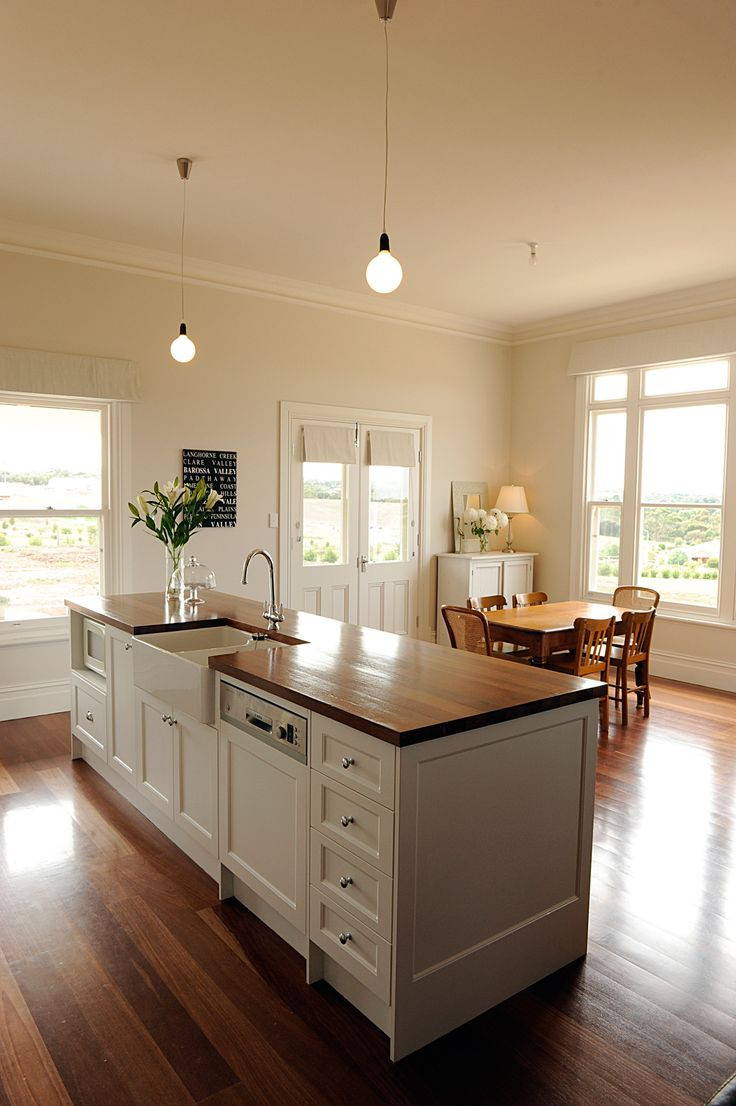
[
  {"x": 485, "y": 579},
  {"x": 264, "y": 821},
  {"x": 122, "y": 743},
  {"x": 195, "y": 780},
  {"x": 89, "y": 715},
  {"x": 155, "y": 751},
  {"x": 517, "y": 577}
]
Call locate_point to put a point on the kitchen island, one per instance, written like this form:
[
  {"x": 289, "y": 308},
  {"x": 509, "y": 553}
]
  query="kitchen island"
[{"x": 416, "y": 821}]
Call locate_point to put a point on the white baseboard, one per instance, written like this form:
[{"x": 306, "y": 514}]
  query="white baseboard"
[
  {"x": 694, "y": 670},
  {"x": 28, "y": 700}
]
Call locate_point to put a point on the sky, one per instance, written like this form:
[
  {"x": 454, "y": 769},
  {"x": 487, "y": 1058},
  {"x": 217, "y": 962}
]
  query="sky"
[{"x": 36, "y": 439}]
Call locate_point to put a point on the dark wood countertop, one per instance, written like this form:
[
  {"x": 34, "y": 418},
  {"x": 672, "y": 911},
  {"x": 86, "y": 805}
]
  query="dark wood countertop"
[{"x": 395, "y": 688}]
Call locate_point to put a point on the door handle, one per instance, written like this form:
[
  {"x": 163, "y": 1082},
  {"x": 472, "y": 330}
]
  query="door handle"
[{"x": 363, "y": 562}]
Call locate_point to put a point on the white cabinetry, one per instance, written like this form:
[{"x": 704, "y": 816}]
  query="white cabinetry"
[
  {"x": 195, "y": 780},
  {"x": 460, "y": 575},
  {"x": 177, "y": 768},
  {"x": 263, "y": 821},
  {"x": 89, "y": 714},
  {"x": 121, "y": 703},
  {"x": 154, "y": 724},
  {"x": 352, "y": 854}
]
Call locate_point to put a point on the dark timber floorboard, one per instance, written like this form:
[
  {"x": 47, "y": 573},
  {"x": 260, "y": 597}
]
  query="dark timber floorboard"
[{"x": 124, "y": 980}]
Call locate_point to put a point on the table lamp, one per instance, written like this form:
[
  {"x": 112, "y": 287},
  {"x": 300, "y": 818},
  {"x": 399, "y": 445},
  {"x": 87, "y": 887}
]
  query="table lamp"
[{"x": 512, "y": 501}]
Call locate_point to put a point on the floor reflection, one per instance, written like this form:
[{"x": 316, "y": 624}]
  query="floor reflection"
[
  {"x": 670, "y": 842},
  {"x": 37, "y": 836}
]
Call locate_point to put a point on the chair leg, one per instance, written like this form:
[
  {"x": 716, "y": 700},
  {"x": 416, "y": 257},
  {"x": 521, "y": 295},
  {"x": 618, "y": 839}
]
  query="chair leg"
[
  {"x": 603, "y": 711},
  {"x": 647, "y": 692},
  {"x": 624, "y": 695},
  {"x": 639, "y": 683}
]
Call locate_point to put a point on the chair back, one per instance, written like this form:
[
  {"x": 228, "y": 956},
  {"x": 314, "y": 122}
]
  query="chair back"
[
  {"x": 467, "y": 629},
  {"x": 487, "y": 602},
  {"x": 638, "y": 627},
  {"x": 593, "y": 645},
  {"x": 529, "y": 599},
  {"x": 635, "y": 598}
]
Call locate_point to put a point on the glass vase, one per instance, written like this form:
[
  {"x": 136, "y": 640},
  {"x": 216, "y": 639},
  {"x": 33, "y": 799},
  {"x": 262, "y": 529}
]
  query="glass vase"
[
  {"x": 483, "y": 543},
  {"x": 173, "y": 578}
]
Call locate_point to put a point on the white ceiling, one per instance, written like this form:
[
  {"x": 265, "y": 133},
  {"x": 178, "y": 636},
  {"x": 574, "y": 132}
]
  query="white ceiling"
[{"x": 605, "y": 129}]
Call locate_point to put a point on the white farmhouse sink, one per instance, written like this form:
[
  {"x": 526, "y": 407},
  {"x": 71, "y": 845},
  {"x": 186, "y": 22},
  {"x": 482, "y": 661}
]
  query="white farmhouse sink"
[{"x": 172, "y": 665}]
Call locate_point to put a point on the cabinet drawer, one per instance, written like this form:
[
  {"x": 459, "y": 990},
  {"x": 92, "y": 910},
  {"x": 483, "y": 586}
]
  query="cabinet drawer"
[
  {"x": 89, "y": 716},
  {"x": 364, "y": 891},
  {"x": 363, "y": 827},
  {"x": 350, "y": 944},
  {"x": 356, "y": 759}
]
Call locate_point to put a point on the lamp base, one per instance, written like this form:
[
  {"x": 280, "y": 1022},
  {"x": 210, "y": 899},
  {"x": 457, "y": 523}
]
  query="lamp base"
[{"x": 509, "y": 546}]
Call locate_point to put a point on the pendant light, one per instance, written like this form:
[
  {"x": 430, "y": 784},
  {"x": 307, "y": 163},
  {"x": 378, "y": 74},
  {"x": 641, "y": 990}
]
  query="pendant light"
[
  {"x": 183, "y": 348},
  {"x": 384, "y": 271}
]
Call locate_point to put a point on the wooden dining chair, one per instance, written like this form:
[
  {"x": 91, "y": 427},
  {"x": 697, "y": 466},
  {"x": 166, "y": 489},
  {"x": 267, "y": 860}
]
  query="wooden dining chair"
[
  {"x": 529, "y": 599},
  {"x": 633, "y": 653},
  {"x": 635, "y": 598},
  {"x": 593, "y": 641},
  {"x": 467, "y": 629},
  {"x": 488, "y": 603}
]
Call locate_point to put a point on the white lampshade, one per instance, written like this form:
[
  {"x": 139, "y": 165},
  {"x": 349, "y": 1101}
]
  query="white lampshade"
[{"x": 512, "y": 500}]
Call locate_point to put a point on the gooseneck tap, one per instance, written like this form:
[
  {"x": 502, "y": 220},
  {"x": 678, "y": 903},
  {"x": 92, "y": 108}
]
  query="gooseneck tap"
[{"x": 273, "y": 612}]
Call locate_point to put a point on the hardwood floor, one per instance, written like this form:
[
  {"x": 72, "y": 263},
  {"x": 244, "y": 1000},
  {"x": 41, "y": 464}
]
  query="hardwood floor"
[{"x": 123, "y": 980}]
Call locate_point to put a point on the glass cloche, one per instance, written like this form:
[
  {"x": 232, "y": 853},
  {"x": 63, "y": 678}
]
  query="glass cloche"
[{"x": 196, "y": 577}]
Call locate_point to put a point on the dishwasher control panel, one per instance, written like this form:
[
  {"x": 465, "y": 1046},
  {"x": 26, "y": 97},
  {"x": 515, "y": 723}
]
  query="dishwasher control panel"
[{"x": 273, "y": 724}]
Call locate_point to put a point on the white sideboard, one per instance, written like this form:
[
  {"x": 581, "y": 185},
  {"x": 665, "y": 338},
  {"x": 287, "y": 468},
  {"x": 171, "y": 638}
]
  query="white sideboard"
[{"x": 460, "y": 575}]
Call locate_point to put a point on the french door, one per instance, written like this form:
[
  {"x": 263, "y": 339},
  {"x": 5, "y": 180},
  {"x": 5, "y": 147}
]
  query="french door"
[{"x": 354, "y": 510}]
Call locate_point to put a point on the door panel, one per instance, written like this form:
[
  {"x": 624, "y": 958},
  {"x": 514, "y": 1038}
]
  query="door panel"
[
  {"x": 324, "y": 538},
  {"x": 389, "y": 496},
  {"x": 353, "y": 536}
]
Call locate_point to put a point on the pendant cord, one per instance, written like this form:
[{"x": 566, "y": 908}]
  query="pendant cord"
[
  {"x": 181, "y": 267},
  {"x": 385, "y": 122}
]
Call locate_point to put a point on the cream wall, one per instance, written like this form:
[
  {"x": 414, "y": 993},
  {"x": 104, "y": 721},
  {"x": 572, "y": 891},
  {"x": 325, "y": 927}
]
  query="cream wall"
[
  {"x": 542, "y": 444},
  {"x": 252, "y": 353}
]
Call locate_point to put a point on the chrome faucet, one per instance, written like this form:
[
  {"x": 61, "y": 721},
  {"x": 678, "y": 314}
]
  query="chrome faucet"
[{"x": 273, "y": 612}]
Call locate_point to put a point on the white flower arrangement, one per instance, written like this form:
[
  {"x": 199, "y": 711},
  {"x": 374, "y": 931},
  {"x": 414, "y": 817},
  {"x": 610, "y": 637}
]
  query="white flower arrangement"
[
  {"x": 172, "y": 513},
  {"x": 482, "y": 523}
]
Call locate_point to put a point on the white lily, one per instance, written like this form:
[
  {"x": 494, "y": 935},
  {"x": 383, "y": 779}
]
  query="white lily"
[{"x": 213, "y": 498}]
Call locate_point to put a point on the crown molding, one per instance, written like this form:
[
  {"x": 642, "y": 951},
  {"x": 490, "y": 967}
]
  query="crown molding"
[
  {"x": 717, "y": 296},
  {"x": 81, "y": 249}
]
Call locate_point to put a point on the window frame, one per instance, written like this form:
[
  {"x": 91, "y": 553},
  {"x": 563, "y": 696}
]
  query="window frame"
[
  {"x": 635, "y": 405},
  {"x": 55, "y": 627}
]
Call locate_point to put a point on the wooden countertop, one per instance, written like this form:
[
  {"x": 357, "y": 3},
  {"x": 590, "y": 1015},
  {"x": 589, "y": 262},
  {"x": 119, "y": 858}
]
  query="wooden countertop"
[{"x": 396, "y": 688}]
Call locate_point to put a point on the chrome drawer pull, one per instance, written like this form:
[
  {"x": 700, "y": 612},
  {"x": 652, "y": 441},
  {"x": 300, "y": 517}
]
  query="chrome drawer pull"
[
  {"x": 343, "y": 938},
  {"x": 347, "y": 761},
  {"x": 127, "y": 645},
  {"x": 166, "y": 718},
  {"x": 347, "y": 819},
  {"x": 89, "y": 716},
  {"x": 345, "y": 881},
  {"x": 172, "y": 721}
]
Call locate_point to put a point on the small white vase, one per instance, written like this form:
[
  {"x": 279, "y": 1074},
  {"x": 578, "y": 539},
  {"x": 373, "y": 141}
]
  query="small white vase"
[{"x": 470, "y": 545}]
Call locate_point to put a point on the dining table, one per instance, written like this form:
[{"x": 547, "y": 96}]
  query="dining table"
[{"x": 547, "y": 628}]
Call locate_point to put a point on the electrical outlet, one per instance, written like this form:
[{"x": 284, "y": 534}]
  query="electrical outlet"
[{"x": 273, "y": 520}]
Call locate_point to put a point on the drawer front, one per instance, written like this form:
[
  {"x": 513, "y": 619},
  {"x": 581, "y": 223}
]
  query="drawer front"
[
  {"x": 350, "y": 944},
  {"x": 89, "y": 714},
  {"x": 364, "y": 891},
  {"x": 355, "y": 759},
  {"x": 363, "y": 827}
]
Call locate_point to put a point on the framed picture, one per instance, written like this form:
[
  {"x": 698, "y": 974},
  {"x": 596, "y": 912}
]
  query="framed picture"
[{"x": 466, "y": 494}]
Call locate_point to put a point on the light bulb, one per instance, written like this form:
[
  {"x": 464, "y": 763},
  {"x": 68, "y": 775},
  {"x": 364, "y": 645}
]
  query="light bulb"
[
  {"x": 384, "y": 272},
  {"x": 183, "y": 348}
]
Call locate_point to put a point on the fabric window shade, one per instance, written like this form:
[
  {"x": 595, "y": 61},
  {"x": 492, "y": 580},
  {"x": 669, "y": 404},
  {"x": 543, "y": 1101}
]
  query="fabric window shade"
[
  {"x": 391, "y": 447},
  {"x": 333, "y": 444},
  {"x": 37, "y": 372},
  {"x": 685, "y": 342}
]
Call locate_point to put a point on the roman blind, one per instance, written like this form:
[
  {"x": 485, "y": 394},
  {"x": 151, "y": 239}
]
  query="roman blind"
[
  {"x": 333, "y": 444},
  {"x": 391, "y": 447},
  {"x": 39, "y": 372},
  {"x": 688, "y": 341}
]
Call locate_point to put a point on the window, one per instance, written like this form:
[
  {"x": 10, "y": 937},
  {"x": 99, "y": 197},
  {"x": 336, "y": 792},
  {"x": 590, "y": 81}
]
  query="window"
[
  {"x": 325, "y": 503},
  {"x": 656, "y": 474},
  {"x": 53, "y": 504}
]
